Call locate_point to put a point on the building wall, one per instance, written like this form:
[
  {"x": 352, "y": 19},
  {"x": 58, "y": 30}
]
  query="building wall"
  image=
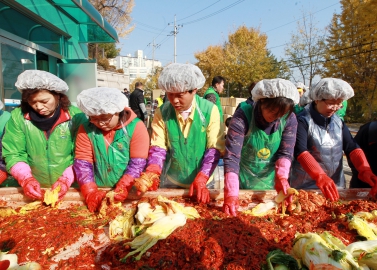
[
  {"x": 112, "y": 79},
  {"x": 137, "y": 66}
]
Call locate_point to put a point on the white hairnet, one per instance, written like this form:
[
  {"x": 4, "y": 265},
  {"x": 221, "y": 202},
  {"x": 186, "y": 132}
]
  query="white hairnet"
[
  {"x": 305, "y": 99},
  {"x": 101, "y": 100},
  {"x": 273, "y": 88},
  {"x": 177, "y": 78},
  {"x": 39, "y": 79},
  {"x": 1, "y": 105},
  {"x": 302, "y": 86},
  {"x": 331, "y": 88}
]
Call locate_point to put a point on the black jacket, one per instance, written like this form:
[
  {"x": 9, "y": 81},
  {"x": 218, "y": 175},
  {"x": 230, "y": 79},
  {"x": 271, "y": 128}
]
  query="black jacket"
[{"x": 137, "y": 98}]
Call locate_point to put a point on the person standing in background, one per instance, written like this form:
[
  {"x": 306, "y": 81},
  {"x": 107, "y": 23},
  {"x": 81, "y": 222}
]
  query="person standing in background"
[
  {"x": 137, "y": 102},
  {"x": 213, "y": 92},
  {"x": 126, "y": 92}
]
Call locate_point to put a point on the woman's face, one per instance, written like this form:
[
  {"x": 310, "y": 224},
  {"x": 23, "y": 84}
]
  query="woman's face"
[
  {"x": 327, "y": 107},
  {"x": 44, "y": 102},
  {"x": 271, "y": 115},
  {"x": 105, "y": 122}
]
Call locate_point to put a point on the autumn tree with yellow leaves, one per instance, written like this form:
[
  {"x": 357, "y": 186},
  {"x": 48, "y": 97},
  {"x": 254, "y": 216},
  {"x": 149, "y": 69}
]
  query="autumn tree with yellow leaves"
[
  {"x": 242, "y": 59},
  {"x": 352, "y": 55}
]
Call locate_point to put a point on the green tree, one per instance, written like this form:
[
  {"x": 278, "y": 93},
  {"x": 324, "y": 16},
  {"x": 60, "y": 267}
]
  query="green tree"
[
  {"x": 352, "y": 55},
  {"x": 306, "y": 50}
]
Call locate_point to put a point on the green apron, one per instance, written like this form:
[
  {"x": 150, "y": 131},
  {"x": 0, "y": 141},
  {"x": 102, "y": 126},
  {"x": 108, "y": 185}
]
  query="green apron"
[
  {"x": 211, "y": 90},
  {"x": 257, "y": 165},
  {"x": 110, "y": 164},
  {"x": 184, "y": 156}
]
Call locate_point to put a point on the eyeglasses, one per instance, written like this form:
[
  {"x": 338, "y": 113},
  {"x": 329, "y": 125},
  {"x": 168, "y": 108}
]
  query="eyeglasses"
[
  {"x": 99, "y": 121},
  {"x": 333, "y": 106}
]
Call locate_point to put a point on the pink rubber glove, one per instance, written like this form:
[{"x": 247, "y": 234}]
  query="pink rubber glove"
[
  {"x": 64, "y": 181},
  {"x": 282, "y": 167},
  {"x": 32, "y": 188},
  {"x": 200, "y": 185},
  {"x": 231, "y": 191},
  {"x": 123, "y": 187},
  {"x": 21, "y": 171}
]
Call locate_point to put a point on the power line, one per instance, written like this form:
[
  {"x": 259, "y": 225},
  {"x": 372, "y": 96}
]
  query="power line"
[
  {"x": 215, "y": 13},
  {"x": 337, "y": 58},
  {"x": 301, "y": 18},
  {"x": 199, "y": 11}
]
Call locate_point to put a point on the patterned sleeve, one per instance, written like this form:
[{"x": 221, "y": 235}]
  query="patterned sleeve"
[
  {"x": 288, "y": 140},
  {"x": 237, "y": 130}
]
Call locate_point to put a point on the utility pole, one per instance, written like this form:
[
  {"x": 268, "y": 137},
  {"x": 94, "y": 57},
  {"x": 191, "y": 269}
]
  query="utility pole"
[
  {"x": 153, "y": 47},
  {"x": 175, "y": 32}
]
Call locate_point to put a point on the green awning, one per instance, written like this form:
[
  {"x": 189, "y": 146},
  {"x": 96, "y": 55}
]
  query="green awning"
[
  {"x": 87, "y": 16},
  {"x": 78, "y": 18}
]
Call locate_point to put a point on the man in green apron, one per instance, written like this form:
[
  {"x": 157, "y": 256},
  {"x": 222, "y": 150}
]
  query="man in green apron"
[
  {"x": 260, "y": 142},
  {"x": 187, "y": 137},
  {"x": 213, "y": 92}
]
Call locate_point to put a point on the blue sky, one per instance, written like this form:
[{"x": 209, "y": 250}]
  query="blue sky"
[{"x": 208, "y": 22}]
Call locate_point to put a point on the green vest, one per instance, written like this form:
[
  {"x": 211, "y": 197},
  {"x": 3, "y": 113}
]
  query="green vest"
[
  {"x": 297, "y": 109},
  {"x": 257, "y": 164},
  {"x": 110, "y": 164},
  {"x": 342, "y": 112},
  {"x": 47, "y": 158},
  {"x": 211, "y": 90},
  {"x": 4, "y": 117},
  {"x": 184, "y": 155}
]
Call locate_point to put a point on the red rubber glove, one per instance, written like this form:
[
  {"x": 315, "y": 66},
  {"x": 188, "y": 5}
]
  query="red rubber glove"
[
  {"x": 4, "y": 265},
  {"x": 200, "y": 185},
  {"x": 361, "y": 164},
  {"x": 325, "y": 183},
  {"x": 230, "y": 205},
  {"x": 148, "y": 180},
  {"x": 32, "y": 188},
  {"x": 3, "y": 176},
  {"x": 122, "y": 188},
  {"x": 64, "y": 186},
  {"x": 93, "y": 196}
]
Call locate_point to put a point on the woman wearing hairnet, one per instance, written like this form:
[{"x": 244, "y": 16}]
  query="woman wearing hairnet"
[
  {"x": 112, "y": 148},
  {"x": 301, "y": 89},
  {"x": 187, "y": 138},
  {"x": 321, "y": 139},
  {"x": 4, "y": 117},
  {"x": 260, "y": 142},
  {"x": 39, "y": 137}
]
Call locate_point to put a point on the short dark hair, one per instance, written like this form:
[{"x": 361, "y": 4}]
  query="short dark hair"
[
  {"x": 282, "y": 103},
  {"x": 125, "y": 89},
  {"x": 25, "y": 107},
  {"x": 217, "y": 79},
  {"x": 251, "y": 86},
  {"x": 138, "y": 84},
  {"x": 227, "y": 121}
]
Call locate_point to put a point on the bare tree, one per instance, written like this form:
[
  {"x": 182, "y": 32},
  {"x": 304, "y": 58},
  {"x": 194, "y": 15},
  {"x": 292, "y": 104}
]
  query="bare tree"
[
  {"x": 306, "y": 50},
  {"x": 117, "y": 13}
]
